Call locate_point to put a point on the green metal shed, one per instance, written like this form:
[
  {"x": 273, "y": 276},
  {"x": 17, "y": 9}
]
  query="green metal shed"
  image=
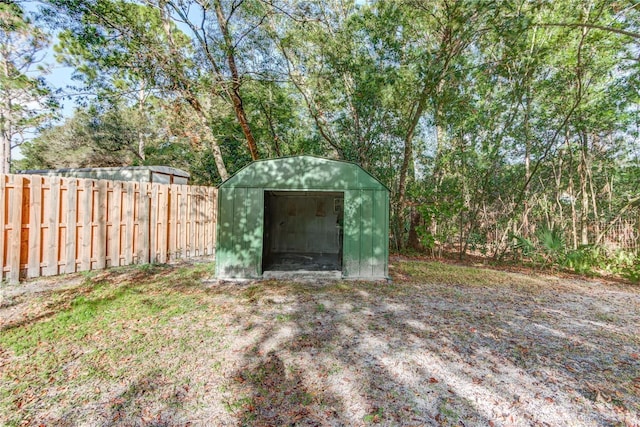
[{"x": 302, "y": 213}]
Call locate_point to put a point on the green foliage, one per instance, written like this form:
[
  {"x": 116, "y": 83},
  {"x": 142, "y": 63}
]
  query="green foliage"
[
  {"x": 25, "y": 99},
  {"x": 521, "y": 246},
  {"x": 91, "y": 138},
  {"x": 584, "y": 259},
  {"x": 632, "y": 272},
  {"x": 551, "y": 241}
]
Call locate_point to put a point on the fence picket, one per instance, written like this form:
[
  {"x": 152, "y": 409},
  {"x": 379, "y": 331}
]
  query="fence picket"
[
  {"x": 4, "y": 192},
  {"x": 153, "y": 222},
  {"x": 129, "y": 199},
  {"x": 15, "y": 240},
  {"x": 192, "y": 223},
  {"x": 115, "y": 217},
  {"x": 86, "y": 204},
  {"x": 72, "y": 226},
  {"x": 213, "y": 219},
  {"x": 53, "y": 227},
  {"x": 163, "y": 222},
  {"x": 100, "y": 237},
  {"x": 184, "y": 250},
  {"x": 144, "y": 222},
  {"x": 172, "y": 246},
  {"x": 35, "y": 226}
]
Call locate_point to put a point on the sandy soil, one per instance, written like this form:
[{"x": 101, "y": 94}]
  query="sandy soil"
[{"x": 525, "y": 351}]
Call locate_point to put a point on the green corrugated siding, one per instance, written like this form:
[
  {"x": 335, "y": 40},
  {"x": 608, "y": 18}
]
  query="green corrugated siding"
[
  {"x": 366, "y": 238},
  {"x": 351, "y": 250},
  {"x": 367, "y": 227},
  {"x": 241, "y": 214},
  {"x": 254, "y": 230},
  {"x": 380, "y": 252},
  {"x": 240, "y": 222},
  {"x": 303, "y": 173}
]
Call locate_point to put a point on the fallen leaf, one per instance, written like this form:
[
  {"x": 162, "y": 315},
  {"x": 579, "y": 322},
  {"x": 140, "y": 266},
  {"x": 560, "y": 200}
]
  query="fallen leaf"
[{"x": 433, "y": 380}]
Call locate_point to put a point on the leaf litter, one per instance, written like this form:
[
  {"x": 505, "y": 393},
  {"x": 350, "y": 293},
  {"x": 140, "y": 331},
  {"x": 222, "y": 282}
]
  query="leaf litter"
[{"x": 438, "y": 345}]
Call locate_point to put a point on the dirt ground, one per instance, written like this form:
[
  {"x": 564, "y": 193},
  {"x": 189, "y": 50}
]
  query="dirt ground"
[{"x": 438, "y": 345}]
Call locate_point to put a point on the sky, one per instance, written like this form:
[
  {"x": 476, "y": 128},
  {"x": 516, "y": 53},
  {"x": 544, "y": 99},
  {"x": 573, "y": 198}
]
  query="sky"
[{"x": 59, "y": 78}]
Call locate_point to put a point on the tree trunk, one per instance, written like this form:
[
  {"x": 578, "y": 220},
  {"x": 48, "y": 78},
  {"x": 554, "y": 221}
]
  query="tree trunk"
[
  {"x": 180, "y": 81},
  {"x": 574, "y": 217},
  {"x": 584, "y": 193},
  {"x": 236, "y": 98},
  {"x": 141, "y": 101},
  {"x": 527, "y": 170},
  {"x": 5, "y": 129},
  {"x": 215, "y": 147},
  {"x": 408, "y": 157},
  {"x": 413, "y": 241},
  {"x": 5, "y": 149}
]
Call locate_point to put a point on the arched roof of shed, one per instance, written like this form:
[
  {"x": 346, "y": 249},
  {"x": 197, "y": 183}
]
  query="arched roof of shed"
[{"x": 303, "y": 173}]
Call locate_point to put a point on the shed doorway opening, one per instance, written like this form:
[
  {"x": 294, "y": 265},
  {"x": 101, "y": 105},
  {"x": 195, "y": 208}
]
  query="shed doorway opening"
[{"x": 303, "y": 231}]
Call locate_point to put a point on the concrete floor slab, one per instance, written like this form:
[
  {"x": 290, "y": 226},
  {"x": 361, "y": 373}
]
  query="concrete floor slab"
[
  {"x": 302, "y": 275},
  {"x": 313, "y": 262}
]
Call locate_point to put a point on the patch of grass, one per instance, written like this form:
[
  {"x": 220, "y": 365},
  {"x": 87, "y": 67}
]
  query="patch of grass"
[
  {"x": 447, "y": 415},
  {"x": 302, "y": 398},
  {"x": 373, "y": 417},
  {"x": 606, "y": 317},
  {"x": 284, "y": 317},
  {"x": 237, "y": 405},
  {"x": 113, "y": 320},
  {"x": 253, "y": 293},
  {"x": 447, "y": 274}
]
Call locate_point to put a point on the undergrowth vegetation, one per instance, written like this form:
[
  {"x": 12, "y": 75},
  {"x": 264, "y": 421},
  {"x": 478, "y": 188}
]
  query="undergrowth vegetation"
[{"x": 548, "y": 248}]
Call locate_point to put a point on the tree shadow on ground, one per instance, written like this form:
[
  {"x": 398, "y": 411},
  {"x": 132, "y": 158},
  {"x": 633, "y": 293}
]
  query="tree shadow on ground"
[
  {"x": 324, "y": 372},
  {"x": 421, "y": 356},
  {"x": 408, "y": 353}
]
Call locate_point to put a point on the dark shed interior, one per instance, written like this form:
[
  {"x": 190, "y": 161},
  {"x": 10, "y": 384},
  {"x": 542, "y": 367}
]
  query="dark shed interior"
[{"x": 303, "y": 230}]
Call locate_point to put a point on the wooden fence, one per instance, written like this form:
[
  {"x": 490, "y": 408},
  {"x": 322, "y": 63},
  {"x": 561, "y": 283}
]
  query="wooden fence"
[{"x": 53, "y": 225}]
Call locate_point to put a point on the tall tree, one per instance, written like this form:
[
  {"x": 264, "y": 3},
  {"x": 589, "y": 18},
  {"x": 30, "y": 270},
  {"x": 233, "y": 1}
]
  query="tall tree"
[
  {"x": 25, "y": 100},
  {"x": 111, "y": 36}
]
